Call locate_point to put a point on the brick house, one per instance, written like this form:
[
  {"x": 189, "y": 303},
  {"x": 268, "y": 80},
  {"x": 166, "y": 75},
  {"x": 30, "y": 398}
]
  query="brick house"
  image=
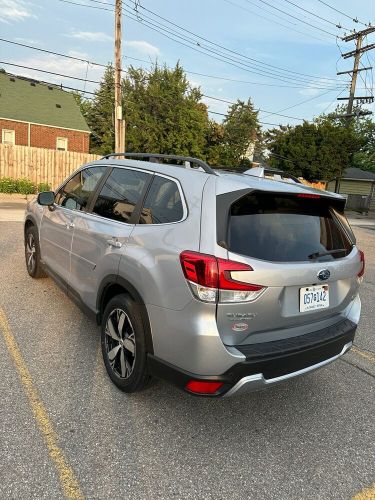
[{"x": 40, "y": 115}]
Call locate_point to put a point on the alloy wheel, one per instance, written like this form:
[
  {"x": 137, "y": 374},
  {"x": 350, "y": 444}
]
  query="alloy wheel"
[
  {"x": 120, "y": 343},
  {"x": 30, "y": 253}
]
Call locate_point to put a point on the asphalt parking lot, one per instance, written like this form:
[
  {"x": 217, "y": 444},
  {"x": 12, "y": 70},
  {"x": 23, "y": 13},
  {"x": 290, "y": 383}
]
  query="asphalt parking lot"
[{"x": 67, "y": 431}]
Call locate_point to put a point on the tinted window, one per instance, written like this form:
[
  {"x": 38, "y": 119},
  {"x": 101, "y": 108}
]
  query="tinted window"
[
  {"x": 119, "y": 195},
  {"x": 282, "y": 228},
  {"x": 76, "y": 192},
  {"x": 163, "y": 203}
]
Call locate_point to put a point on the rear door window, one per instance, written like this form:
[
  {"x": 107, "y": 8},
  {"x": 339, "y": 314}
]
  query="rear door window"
[
  {"x": 286, "y": 228},
  {"x": 163, "y": 203},
  {"x": 120, "y": 194}
]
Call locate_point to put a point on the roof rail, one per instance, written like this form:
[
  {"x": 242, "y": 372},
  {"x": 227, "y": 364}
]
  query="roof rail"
[{"x": 158, "y": 156}]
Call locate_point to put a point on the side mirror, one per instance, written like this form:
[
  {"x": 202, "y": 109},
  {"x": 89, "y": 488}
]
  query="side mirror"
[{"x": 46, "y": 198}]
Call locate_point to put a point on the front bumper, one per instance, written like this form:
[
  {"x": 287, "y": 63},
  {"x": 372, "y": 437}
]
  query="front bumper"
[{"x": 269, "y": 363}]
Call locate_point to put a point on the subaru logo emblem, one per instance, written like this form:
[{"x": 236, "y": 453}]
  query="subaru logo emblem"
[{"x": 324, "y": 274}]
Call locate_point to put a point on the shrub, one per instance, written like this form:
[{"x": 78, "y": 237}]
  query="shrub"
[
  {"x": 8, "y": 185},
  {"x": 43, "y": 186},
  {"x": 24, "y": 186}
]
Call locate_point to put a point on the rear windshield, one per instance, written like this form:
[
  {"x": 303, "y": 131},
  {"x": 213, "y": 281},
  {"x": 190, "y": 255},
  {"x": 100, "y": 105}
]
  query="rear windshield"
[{"x": 286, "y": 228}]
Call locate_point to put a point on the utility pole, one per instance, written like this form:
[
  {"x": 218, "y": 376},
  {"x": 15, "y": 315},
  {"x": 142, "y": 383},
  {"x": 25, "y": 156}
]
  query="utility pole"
[
  {"x": 357, "y": 53},
  {"x": 359, "y": 50},
  {"x": 119, "y": 122}
]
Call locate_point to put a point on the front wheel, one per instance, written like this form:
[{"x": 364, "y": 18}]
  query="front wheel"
[
  {"x": 32, "y": 253},
  {"x": 123, "y": 344}
]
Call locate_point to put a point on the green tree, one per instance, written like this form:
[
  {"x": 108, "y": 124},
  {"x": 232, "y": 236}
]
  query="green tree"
[
  {"x": 99, "y": 115},
  {"x": 364, "y": 158},
  {"x": 164, "y": 113},
  {"x": 241, "y": 128},
  {"x": 316, "y": 151},
  {"x": 83, "y": 103},
  {"x": 214, "y": 149},
  {"x": 363, "y": 128}
]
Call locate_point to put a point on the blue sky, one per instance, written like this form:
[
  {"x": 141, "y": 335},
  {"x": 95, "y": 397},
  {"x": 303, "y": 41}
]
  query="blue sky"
[{"x": 285, "y": 49}]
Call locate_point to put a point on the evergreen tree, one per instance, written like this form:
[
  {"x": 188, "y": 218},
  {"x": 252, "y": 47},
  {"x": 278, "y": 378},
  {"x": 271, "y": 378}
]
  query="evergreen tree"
[
  {"x": 214, "y": 149},
  {"x": 241, "y": 128},
  {"x": 100, "y": 115},
  {"x": 164, "y": 113}
]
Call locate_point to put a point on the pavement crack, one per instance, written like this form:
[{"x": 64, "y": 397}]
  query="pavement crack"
[
  {"x": 356, "y": 366},
  {"x": 364, "y": 349}
]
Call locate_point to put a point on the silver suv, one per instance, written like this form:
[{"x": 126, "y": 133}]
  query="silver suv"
[{"x": 219, "y": 282}]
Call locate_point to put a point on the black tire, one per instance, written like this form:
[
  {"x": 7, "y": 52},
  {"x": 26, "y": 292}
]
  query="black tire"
[
  {"x": 32, "y": 253},
  {"x": 121, "y": 333}
]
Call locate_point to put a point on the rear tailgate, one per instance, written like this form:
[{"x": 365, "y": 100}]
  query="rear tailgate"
[{"x": 302, "y": 251}]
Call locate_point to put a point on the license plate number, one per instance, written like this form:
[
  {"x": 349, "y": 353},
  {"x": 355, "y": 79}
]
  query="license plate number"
[{"x": 312, "y": 298}]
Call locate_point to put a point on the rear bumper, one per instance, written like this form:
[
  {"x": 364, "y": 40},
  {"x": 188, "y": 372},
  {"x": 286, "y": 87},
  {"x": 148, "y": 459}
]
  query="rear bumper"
[
  {"x": 269, "y": 363},
  {"x": 257, "y": 381}
]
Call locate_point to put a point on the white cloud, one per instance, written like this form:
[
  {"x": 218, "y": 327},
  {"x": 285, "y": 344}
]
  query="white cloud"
[
  {"x": 30, "y": 41},
  {"x": 14, "y": 10},
  {"x": 143, "y": 47},
  {"x": 90, "y": 36}
]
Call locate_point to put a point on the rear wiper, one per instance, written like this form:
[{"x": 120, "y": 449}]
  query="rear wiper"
[{"x": 329, "y": 252}]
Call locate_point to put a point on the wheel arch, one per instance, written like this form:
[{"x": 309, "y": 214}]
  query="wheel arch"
[
  {"x": 113, "y": 285},
  {"x": 29, "y": 221}
]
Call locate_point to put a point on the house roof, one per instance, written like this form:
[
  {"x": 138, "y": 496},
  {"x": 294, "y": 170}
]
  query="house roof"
[
  {"x": 358, "y": 174},
  {"x": 23, "y": 99}
]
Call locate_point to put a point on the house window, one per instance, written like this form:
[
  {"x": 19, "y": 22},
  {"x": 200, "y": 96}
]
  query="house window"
[
  {"x": 62, "y": 144},
  {"x": 9, "y": 137}
]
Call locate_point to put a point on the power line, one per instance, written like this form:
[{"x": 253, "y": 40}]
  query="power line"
[
  {"x": 52, "y": 52},
  {"x": 354, "y": 19},
  {"x": 86, "y": 5},
  {"x": 224, "y": 58},
  {"x": 301, "y": 102},
  {"x": 337, "y": 25},
  {"x": 264, "y": 72},
  {"x": 261, "y": 110},
  {"x": 97, "y": 82},
  {"x": 61, "y": 86},
  {"x": 298, "y": 19},
  {"x": 267, "y": 73},
  {"x": 226, "y": 115},
  {"x": 309, "y": 35},
  {"x": 49, "y": 72},
  {"x": 330, "y": 104},
  {"x": 223, "y": 47},
  {"x": 93, "y": 63},
  {"x": 264, "y": 9}
]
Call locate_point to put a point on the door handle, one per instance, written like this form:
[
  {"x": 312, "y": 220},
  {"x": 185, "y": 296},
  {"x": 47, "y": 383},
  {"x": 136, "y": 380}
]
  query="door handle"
[
  {"x": 70, "y": 225},
  {"x": 114, "y": 242}
]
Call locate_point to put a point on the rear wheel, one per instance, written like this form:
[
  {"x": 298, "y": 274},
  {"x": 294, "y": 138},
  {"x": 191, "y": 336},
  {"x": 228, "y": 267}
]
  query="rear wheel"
[
  {"x": 123, "y": 344},
  {"x": 32, "y": 253}
]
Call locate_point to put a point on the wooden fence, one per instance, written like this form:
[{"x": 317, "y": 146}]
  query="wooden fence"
[{"x": 40, "y": 165}]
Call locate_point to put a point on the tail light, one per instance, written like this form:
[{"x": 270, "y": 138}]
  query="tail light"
[
  {"x": 362, "y": 270},
  {"x": 203, "y": 387},
  {"x": 212, "y": 279}
]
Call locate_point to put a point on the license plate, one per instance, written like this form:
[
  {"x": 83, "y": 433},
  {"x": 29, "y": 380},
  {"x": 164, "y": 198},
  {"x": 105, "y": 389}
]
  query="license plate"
[{"x": 312, "y": 298}]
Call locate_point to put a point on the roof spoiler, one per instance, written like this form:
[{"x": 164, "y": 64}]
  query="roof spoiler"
[{"x": 256, "y": 172}]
